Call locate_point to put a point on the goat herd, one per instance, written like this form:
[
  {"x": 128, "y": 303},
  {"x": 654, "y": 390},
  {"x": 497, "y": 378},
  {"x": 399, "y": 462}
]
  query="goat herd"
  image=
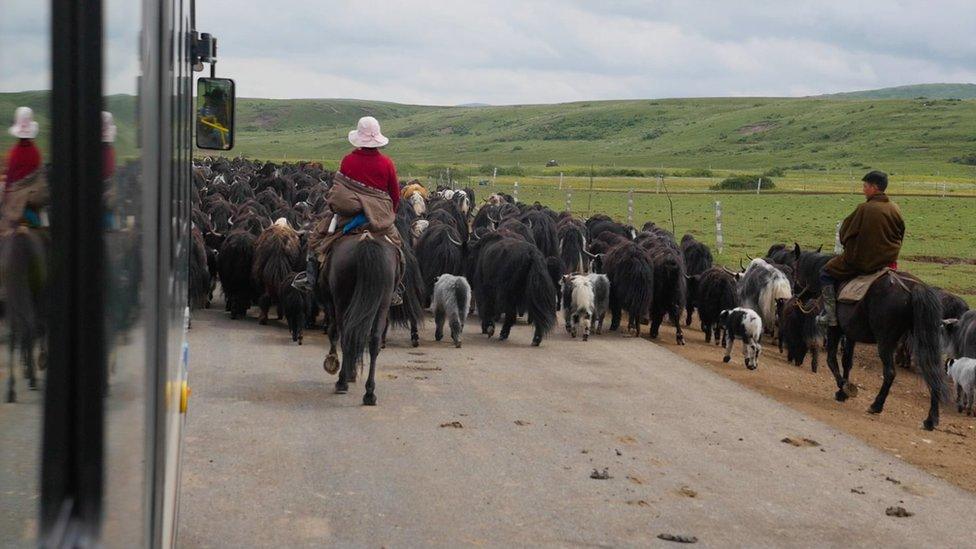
[{"x": 252, "y": 221}]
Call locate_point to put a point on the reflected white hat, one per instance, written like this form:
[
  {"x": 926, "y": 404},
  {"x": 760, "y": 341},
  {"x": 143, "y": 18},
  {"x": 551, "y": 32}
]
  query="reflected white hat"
[
  {"x": 24, "y": 126},
  {"x": 109, "y": 130},
  {"x": 367, "y": 134}
]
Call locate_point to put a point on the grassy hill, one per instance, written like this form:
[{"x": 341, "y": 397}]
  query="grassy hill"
[
  {"x": 904, "y": 136},
  {"x": 928, "y": 91}
]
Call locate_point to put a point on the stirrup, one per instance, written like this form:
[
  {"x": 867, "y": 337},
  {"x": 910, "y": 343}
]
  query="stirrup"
[{"x": 397, "y": 299}]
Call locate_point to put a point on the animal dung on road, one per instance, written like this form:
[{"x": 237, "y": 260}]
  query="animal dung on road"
[
  {"x": 898, "y": 511},
  {"x": 601, "y": 475},
  {"x": 800, "y": 442},
  {"x": 677, "y": 538},
  {"x": 453, "y": 425}
]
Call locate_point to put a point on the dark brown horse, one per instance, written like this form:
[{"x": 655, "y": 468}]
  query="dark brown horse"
[
  {"x": 23, "y": 275},
  {"x": 896, "y": 305},
  {"x": 356, "y": 289}
]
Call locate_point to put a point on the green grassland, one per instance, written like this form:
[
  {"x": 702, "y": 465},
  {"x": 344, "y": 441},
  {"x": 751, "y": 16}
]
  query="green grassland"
[
  {"x": 917, "y": 137},
  {"x": 936, "y": 227}
]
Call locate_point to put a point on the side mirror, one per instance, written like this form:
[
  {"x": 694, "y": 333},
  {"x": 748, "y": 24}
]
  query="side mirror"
[{"x": 215, "y": 114}]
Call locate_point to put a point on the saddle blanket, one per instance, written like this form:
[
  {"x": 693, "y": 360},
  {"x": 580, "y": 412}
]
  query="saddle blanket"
[{"x": 855, "y": 289}]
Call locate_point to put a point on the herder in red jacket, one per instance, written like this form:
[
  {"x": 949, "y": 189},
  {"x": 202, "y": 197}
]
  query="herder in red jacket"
[
  {"x": 367, "y": 164},
  {"x": 22, "y": 169},
  {"x": 24, "y": 158}
]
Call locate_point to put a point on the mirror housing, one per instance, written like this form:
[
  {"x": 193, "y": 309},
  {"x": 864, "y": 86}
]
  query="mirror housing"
[{"x": 215, "y": 114}]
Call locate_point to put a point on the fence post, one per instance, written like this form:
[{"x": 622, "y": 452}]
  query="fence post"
[
  {"x": 758, "y": 185},
  {"x": 560, "y": 180},
  {"x": 515, "y": 192},
  {"x": 494, "y": 174},
  {"x": 449, "y": 182},
  {"x": 659, "y": 178},
  {"x": 838, "y": 247},
  {"x": 719, "y": 240},
  {"x": 569, "y": 200},
  {"x": 630, "y": 207}
]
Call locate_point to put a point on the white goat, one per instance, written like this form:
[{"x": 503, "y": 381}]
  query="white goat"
[{"x": 963, "y": 374}]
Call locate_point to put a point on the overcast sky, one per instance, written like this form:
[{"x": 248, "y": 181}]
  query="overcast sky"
[{"x": 524, "y": 51}]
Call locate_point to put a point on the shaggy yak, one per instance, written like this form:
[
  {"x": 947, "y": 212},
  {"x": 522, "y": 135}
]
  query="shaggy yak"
[
  {"x": 631, "y": 273},
  {"x": 764, "y": 289},
  {"x": 698, "y": 259},
  {"x": 234, "y": 264},
  {"x": 439, "y": 250},
  {"x": 798, "y": 331},
  {"x": 715, "y": 292},
  {"x": 277, "y": 253},
  {"x": 296, "y": 301},
  {"x": 510, "y": 276}
]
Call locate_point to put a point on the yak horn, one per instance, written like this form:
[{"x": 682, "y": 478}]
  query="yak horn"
[
  {"x": 729, "y": 271},
  {"x": 529, "y": 221},
  {"x": 454, "y": 241},
  {"x": 749, "y": 257},
  {"x": 741, "y": 268},
  {"x": 591, "y": 256}
]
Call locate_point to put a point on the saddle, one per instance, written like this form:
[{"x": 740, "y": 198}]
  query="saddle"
[{"x": 854, "y": 290}]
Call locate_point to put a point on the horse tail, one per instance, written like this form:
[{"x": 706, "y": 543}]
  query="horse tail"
[
  {"x": 926, "y": 338},
  {"x": 540, "y": 294},
  {"x": 373, "y": 274}
]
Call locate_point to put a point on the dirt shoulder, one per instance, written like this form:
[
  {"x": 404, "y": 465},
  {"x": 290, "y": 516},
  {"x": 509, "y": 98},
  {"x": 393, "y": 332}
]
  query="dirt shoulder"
[{"x": 949, "y": 452}]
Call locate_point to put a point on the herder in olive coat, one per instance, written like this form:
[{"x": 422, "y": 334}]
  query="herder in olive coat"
[{"x": 871, "y": 237}]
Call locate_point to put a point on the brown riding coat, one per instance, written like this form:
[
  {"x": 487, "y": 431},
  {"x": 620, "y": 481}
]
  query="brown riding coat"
[{"x": 871, "y": 237}]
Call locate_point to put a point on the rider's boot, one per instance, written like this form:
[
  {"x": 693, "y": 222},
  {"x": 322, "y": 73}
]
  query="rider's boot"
[{"x": 828, "y": 317}]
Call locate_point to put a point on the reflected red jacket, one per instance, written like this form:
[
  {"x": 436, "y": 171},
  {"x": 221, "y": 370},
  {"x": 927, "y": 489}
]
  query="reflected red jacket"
[
  {"x": 23, "y": 159},
  {"x": 373, "y": 169}
]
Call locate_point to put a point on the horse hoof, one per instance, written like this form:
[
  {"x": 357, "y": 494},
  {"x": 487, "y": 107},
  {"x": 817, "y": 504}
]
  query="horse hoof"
[
  {"x": 415, "y": 342},
  {"x": 929, "y": 425},
  {"x": 840, "y": 395},
  {"x": 726, "y": 359},
  {"x": 875, "y": 409},
  {"x": 331, "y": 364},
  {"x": 850, "y": 389},
  {"x": 536, "y": 342},
  {"x": 341, "y": 389},
  {"x": 369, "y": 399}
]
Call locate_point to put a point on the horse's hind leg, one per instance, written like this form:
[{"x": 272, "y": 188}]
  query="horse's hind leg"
[
  {"x": 369, "y": 399},
  {"x": 11, "y": 393},
  {"x": 886, "y": 350},
  {"x": 833, "y": 341},
  {"x": 847, "y": 361}
]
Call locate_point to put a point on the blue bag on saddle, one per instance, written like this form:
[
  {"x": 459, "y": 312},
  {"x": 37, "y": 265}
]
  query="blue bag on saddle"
[{"x": 357, "y": 221}]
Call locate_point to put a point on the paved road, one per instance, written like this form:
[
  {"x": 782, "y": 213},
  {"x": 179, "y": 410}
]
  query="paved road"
[{"x": 273, "y": 458}]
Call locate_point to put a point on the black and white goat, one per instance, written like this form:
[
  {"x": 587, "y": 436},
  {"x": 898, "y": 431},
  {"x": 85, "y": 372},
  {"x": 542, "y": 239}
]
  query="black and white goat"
[
  {"x": 451, "y": 301},
  {"x": 579, "y": 304},
  {"x": 744, "y": 324}
]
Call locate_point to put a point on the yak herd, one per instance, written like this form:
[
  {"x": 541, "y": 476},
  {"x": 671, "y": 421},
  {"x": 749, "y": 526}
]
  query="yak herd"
[{"x": 506, "y": 260}]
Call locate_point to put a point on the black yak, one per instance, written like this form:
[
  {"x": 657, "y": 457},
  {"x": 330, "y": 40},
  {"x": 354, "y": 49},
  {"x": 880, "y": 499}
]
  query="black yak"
[
  {"x": 199, "y": 273},
  {"x": 296, "y": 302},
  {"x": 698, "y": 259},
  {"x": 799, "y": 332},
  {"x": 439, "y": 250},
  {"x": 715, "y": 291},
  {"x": 631, "y": 274},
  {"x": 670, "y": 285},
  {"x": 511, "y": 276},
  {"x": 234, "y": 264}
]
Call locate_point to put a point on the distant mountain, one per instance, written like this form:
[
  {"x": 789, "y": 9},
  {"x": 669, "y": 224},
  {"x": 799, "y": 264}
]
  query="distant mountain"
[
  {"x": 928, "y": 91},
  {"x": 474, "y": 105}
]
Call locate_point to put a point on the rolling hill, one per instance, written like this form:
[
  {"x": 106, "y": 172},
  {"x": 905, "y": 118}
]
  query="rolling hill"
[
  {"x": 907, "y": 136},
  {"x": 927, "y": 91}
]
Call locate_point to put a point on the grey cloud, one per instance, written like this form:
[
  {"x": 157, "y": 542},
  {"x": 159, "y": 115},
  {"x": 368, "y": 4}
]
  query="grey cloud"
[{"x": 511, "y": 51}]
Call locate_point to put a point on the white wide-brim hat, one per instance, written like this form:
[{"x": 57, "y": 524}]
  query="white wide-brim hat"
[
  {"x": 109, "y": 129},
  {"x": 367, "y": 134},
  {"x": 24, "y": 126}
]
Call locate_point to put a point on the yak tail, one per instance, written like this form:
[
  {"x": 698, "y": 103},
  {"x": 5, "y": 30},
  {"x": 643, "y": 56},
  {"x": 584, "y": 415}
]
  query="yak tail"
[
  {"x": 373, "y": 275},
  {"x": 413, "y": 293},
  {"x": 540, "y": 295},
  {"x": 926, "y": 339}
]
